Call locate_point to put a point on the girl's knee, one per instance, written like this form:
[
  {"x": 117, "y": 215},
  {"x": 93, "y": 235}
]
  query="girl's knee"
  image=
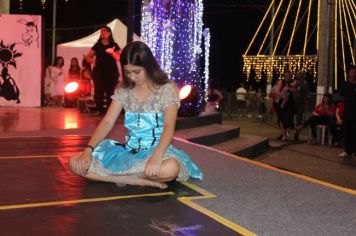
[{"x": 170, "y": 169}]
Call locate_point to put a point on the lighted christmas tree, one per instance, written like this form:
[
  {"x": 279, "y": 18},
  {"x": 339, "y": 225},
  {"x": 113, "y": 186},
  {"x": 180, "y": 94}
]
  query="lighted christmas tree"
[{"x": 173, "y": 29}]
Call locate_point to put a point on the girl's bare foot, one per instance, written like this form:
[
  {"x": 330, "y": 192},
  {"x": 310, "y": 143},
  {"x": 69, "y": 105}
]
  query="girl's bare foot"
[
  {"x": 146, "y": 182},
  {"x": 141, "y": 182}
]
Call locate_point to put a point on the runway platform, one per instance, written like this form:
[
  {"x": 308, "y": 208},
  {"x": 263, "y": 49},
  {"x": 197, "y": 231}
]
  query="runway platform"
[{"x": 39, "y": 195}]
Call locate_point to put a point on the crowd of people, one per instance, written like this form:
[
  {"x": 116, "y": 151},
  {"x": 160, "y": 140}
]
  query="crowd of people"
[
  {"x": 56, "y": 79},
  {"x": 290, "y": 98}
]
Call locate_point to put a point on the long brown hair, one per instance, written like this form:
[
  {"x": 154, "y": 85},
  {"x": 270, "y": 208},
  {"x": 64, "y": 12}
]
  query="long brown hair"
[
  {"x": 74, "y": 70},
  {"x": 139, "y": 54}
]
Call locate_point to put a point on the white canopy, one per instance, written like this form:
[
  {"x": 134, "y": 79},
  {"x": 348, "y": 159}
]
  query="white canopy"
[{"x": 80, "y": 47}]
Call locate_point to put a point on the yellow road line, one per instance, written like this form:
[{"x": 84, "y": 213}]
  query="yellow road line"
[
  {"x": 206, "y": 195},
  {"x": 185, "y": 200},
  {"x": 43, "y": 204}
]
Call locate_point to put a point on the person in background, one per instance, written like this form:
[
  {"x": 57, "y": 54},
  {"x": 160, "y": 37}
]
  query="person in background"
[
  {"x": 285, "y": 92},
  {"x": 147, "y": 158},
  {"x": 251, "y": 99},
  {"x": 322, "y": 115},
  {"x": 241, "y": 94},
  {"x": 74, "y": 70},
  {"x": 54, "y": 82},
  {"x": 215, "y": 98},
  {"x": 104, "y": 56},
  {"x": 86, "y": 78},
  {"x": 349, "y": 122},
  {"x": 337, "y": 129},
  {"x": 301, "y": 99}
]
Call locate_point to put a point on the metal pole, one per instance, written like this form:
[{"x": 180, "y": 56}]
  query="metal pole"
[
  {"x": 271, "y": 49},
  {"x": 328, "y": 39},
  {"x": 131, "y": 20},
  {"x": 355, "y": 47},
  {"x": 54, "y": 23},
  {"x": 271, "y": 38}
]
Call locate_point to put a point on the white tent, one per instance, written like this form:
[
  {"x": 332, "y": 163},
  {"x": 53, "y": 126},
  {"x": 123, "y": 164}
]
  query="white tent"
[{"x": 80, "y": 47}]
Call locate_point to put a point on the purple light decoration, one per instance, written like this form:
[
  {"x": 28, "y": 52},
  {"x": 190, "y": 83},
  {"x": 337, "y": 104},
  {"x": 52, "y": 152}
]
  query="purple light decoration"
[{"x": 173, "y": 30}]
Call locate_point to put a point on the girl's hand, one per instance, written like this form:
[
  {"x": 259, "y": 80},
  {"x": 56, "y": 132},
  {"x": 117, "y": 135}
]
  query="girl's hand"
[
  {"x": 110, "y": 50},
  {"x": 153, "y": 166},
  {"x": 83, "y": 163}
]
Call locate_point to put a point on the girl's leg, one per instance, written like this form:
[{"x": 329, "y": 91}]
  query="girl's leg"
[
  {"x": 313, "y": 123},
  {"x": 308, "y": 121},
  {"x": 125, "y": 179},
  {"x": 284, "y": 132},
  {"x": 169, "y": 171},
  {"x": 117, "y": 179},
  {"x": 284, "y": 126}
]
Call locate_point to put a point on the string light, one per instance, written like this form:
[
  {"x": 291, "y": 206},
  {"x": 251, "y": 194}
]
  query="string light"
[
  {"x": 342, "y": 40},
  {"x": 294, "y": 28},
  {"x": 283, "y": 24},
  {"x": 259, "y": 27},
  {"x": 206, "y": 34},
  {"x": 278, "y": 64},
  {"x": 335, "y": 44},
  {"x": 270, "y": 27},
  {"x": 307, "y": 28},
  {"x": 347, "y": 31},
  {"x": 43, "y": 4},
  {"x": 21, "y": 5},
  {"x": 173, "y": 30},
  {"x": 342, "y": 52}
]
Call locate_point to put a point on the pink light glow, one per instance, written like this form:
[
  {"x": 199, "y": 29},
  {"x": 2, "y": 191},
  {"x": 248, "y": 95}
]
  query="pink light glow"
[
  {"x": 185, "y": 91},
  {"x": 71, "y": 87}
]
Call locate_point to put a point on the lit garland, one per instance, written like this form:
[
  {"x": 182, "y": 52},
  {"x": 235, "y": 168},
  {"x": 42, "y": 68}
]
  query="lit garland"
[
  {"x": 21, "y": 5},
  {"x": 43, "y": 3},
  {"x": 206, "y": 34},
  {"x": 279, "y": 64},
  {"x": 344, "y": 33},
  {"x": 173, "y": 30}
]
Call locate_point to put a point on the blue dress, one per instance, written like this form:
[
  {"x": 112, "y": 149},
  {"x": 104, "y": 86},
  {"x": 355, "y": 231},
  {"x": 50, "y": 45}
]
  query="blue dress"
[{"x": 144, "y": 122}]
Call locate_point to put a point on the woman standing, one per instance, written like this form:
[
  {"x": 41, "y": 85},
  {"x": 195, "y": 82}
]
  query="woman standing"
[
  {"x": 54, "y": 82},
  {"x": 104, "y": 55},
  {"x": 284, "y": 103}
]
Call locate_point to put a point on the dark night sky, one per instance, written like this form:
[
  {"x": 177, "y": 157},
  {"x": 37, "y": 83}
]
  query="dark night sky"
[{"x": 232, "y": 25}]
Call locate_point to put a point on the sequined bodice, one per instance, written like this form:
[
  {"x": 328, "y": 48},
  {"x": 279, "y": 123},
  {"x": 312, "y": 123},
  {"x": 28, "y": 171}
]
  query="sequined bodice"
[{"x": 144, "y": 130}]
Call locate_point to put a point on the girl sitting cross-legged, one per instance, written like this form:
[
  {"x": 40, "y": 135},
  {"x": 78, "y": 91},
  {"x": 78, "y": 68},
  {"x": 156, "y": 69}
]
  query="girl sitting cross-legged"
[{"x": 147, "y": 158}]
